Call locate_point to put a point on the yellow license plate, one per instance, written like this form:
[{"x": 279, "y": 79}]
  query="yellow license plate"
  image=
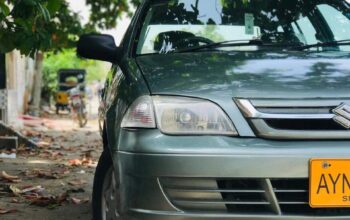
[{"x": 329, "y": 183}]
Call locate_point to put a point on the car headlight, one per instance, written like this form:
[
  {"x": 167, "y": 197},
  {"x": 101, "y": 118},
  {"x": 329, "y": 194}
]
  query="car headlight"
[{"x": 180, "y": 116}]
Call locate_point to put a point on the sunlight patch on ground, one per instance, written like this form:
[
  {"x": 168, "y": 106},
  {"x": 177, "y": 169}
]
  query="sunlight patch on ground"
[{"x": 40, "y": 162}]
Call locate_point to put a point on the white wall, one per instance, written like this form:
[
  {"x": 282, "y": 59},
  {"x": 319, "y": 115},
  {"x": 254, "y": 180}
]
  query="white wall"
[{"x": 19, "y": 71}]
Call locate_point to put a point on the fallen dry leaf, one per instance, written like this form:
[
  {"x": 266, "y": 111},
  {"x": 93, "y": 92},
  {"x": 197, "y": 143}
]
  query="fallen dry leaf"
[
  {"x": 43, "y": 144},
  {"x": 47, "y": 174},
  {"x": 6, "y": 211},
  {"x": 35, "y": 189},
  {"x": 88, "y": 162},
  {"x": 30, "y": 133},
  {"x": 45, "y": 201},
  {"x": 16, "y": 191},
  {"x": 52, "y": 155},
  {"x": 26, "y": 190},
  {"x": 75, "y": 162},
  {"x": 31, "y": 196},
  {"x": 77, "y": 201},
  {"x": 26, "y": 152},
  {"x": 77, "y": 182},
  {"x": 10, "y": 178}
]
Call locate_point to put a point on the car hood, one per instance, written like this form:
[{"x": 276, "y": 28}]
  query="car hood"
[{"x": 248, "y": 74}]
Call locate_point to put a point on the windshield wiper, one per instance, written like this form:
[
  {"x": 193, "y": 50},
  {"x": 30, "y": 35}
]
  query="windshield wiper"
[
  {"x": 231, "y": 43},
  {"x": 323, "y": 44},
  {"x": 236, "y": 43}
]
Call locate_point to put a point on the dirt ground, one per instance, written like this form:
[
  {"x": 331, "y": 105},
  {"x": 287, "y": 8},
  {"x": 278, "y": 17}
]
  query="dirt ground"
[{"x": 54, "y": 181}]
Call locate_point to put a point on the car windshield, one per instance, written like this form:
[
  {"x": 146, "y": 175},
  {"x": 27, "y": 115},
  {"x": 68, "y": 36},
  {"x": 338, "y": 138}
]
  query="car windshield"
[{"x": 175, "y": 25}]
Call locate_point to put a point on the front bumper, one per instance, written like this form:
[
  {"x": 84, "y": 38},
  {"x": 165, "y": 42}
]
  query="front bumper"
[
  {"x": 146, "y": 157},
  {"x": 137, "y": 214}
]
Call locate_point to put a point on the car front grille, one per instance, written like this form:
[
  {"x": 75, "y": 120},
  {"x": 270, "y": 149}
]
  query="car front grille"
[
  {"x": 249, "y": 196},
  {"x": 294, "y": 119}
]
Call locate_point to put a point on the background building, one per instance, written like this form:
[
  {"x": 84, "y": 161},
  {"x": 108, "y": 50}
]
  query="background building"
[{"x": 16, "y": 83}]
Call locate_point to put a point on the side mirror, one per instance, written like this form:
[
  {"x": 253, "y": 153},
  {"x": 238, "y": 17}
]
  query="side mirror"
[{"x": 98, "y": 47}]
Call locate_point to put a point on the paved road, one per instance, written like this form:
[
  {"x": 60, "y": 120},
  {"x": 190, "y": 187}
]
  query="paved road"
[{"x": 62, "y": 145}]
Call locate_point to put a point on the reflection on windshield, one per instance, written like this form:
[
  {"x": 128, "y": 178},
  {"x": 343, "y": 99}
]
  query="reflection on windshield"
[{"x": 179, "y": 24}]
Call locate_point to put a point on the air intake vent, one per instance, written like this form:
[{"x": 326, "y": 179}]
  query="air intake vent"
[
  {"x": 194, "y": 194},
  {"x": 305, "y": 125},
  {"x": 250, "y": 196},
  {"x": 245, "y": 196}
]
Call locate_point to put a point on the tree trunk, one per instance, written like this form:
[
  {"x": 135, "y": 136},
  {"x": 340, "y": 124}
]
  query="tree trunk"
[{"x": 35, "y": 108}]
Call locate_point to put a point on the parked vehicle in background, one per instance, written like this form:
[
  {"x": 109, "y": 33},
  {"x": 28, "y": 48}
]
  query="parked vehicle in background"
[
  {"x": 67, "y": 80},
  {"x": 78, "y": 105},
  {"x": 235, "y": 109}
]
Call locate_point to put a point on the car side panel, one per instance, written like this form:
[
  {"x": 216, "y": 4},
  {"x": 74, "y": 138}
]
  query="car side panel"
[{"x": 127, "y": 84}]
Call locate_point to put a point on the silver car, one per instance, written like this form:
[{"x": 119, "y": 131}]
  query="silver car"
[{"x": 226, "y": 109}]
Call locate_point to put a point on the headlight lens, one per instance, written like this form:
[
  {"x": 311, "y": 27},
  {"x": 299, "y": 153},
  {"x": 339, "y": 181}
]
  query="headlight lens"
[
  {"x": 178, "y": 116},
  {"x": 189, "y": 116}
]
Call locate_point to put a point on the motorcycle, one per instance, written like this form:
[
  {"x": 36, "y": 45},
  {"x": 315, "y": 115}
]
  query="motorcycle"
[{"x": 78, "y": 107}]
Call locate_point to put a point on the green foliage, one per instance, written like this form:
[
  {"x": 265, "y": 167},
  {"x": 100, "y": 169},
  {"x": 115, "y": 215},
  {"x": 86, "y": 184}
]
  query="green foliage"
[
  {"x": 32, "y": 25},
  {"x": 26, "y": 24},
  {"x": 49, "y": 25},
  {"x": 106, "y": 12},
  {"x": 67, "y": 59},
  {"x": 4, "y": 9},
  {"x": 65, "y": 28}
]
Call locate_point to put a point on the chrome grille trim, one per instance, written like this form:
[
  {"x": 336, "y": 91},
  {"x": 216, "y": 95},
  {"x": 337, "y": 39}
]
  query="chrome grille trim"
[
  {"x": 264, "y": 114},
  {"x": 298, "y": 103},
  {"x": 166, "y": 197},
  {"x": 250, "y": 111},
  {"x": 220, "y": 202},
  {"x": 271, "y": 196},
  {"x": 215, "y": 190}
]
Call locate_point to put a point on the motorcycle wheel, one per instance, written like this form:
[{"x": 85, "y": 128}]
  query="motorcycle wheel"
[{"x": 82, "y": 118}]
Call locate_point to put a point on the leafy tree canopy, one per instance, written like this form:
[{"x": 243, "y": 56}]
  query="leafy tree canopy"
[
  {"x": 32, "y": 25},
  {"x": 105, "y": 12}
]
